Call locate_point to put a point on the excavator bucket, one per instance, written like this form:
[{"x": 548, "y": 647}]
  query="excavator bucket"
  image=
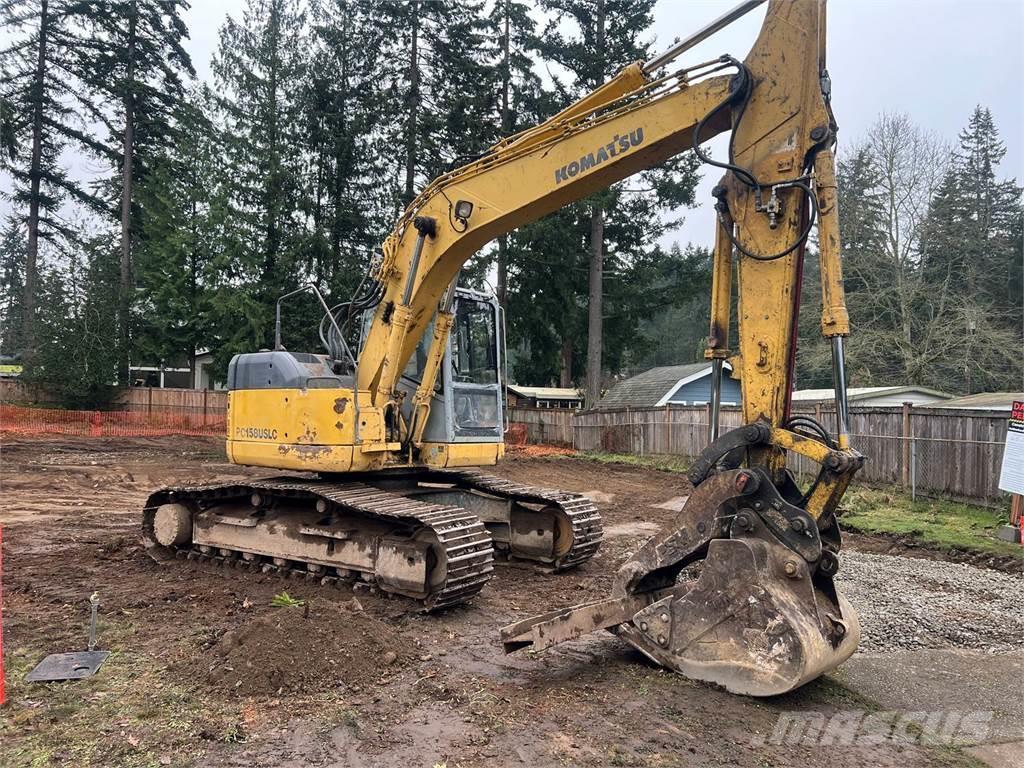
[{"x": 732, "y": 592}]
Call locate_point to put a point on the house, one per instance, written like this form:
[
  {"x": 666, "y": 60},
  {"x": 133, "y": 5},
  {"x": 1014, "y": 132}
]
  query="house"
[
  {"x": 983, "y": 401},
  {"x": 203, "y": 378},
  {"x": 543, "y": 397},
  {"x": 872, "y": 397},
  {"x": 670, "y": 385},
  {"x": 177, "y": 373}
]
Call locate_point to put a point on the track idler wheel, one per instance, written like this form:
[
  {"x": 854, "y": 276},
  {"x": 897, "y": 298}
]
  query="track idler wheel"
[{"x": 172, "y": 525}]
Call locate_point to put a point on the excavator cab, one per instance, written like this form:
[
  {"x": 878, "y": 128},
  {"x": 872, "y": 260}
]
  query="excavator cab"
[{"x": 467, "y": 402}]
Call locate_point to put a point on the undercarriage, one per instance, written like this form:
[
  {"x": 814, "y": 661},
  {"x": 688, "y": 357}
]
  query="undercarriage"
[{"x": 429, "y": 535}]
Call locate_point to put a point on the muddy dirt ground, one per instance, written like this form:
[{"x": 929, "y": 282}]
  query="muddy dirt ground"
[{"x": 205, "y": 671}]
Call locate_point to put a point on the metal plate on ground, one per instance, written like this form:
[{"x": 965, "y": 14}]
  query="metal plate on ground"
[{"x": 67, "y": 666}]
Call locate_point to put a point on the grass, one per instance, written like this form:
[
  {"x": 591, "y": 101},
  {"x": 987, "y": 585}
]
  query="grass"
[
  {"x": 939, "y": 524},
  {"x": 131, "y": 714},
  {"x": 935, "y": 523},
  {"x": 284, "y": 600}
]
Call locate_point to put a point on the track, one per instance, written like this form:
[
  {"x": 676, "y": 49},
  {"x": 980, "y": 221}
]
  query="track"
[
  {"x": 579, "y": 512},
  {"x": 467, "y": 547},
  {"x": 353, "y": 530}
]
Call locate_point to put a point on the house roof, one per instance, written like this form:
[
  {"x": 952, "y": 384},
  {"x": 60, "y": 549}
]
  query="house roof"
[
  {"x": 989, "y": 401},
  {"x": 648, "y": 388},
  {"x": 547, "y": 393},
  {"x": 862, "y": 393}
]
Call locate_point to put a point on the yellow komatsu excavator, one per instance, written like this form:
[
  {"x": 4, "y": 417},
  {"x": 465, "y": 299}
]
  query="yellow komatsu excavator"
[{"x": 739, "y": 589}]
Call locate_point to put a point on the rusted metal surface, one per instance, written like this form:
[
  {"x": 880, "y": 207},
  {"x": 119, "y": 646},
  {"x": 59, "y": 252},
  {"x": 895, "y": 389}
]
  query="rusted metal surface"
[
  {"x": 542, "y": 632},
  {"x": 760, "y": 617},
  {"x": 431, "y": 544},
  {"x": 441, "y": 555},
  {"x": 576, "y": 521},
  {"x": 559, "y": 529}
]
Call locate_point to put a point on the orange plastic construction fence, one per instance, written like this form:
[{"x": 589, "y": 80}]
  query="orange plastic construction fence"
[
  {"x": 2, "y": 692},
  {"x": 27, "y": 421}
]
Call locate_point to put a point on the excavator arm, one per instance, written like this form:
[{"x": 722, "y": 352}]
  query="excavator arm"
[
  {"x": 615, "y": 133},
  {"x": 738, "y": 589}
]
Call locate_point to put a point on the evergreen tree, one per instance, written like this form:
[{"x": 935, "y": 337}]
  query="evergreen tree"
[
  {"x": 76, "y": 356},
  {"x": 547, "y": 299},
  {"x": 971, "y": 219},
  {"x": 521, "y": 104},
  {"x": 677, "y": 307},
  {"x": 12, "y": 285},
  {"x": 861, "y": 230},
  {"x": 972, "y": 244},
  {"x": 260, "y": 70},
  {"x": 181, "y": 237},
  {"x": 624, "y": 221},
  {"x": 135, "y": 66},
  {"x": 8, "y": 139},
  {"x": 349, "y": 210},
  {"x": 439, "y": 90},
  {"x": 42, "y": 108}
]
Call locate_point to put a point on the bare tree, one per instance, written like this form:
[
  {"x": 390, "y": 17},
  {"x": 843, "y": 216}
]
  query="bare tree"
[{"x": 903, "y": 323}]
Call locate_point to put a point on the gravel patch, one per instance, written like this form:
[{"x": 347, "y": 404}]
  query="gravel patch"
[{"x": 908, "y": 603}]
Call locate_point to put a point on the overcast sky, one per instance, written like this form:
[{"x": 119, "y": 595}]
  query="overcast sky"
[{"x": 934, "y": 59}]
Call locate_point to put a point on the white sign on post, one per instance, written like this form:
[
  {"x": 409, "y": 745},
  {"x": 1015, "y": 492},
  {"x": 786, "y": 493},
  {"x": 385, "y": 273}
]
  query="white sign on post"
[{"x": 1011, "y": 478}]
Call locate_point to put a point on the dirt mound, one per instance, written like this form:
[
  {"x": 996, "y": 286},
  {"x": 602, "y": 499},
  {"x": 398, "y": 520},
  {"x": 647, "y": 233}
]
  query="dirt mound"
[{"x": 292, "y": 649}]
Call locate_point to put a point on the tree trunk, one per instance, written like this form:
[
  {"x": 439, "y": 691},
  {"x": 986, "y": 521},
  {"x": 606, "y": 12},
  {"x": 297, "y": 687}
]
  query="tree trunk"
[
  {"x": 506, "y": 129},
  {"x": 338, "y": 197},
  {"x": 273, "y": 189},
  {"x": 413, "y": 107},
  {"x": 28, "y": 304},
  {"x": 125, "y": 297},
  {"x": 595, "y": 328},
  {"x": 565, "y": 373}
]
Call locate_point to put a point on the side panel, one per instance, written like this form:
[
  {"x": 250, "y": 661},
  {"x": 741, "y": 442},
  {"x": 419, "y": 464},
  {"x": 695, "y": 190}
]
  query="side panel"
[
  {"x": 305, "y": 429},
  {"x": 305, "y": 458},
  {"x": 443, "y": 455}
]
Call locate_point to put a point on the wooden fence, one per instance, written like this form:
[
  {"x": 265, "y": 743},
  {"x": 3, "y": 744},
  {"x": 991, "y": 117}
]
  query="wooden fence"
[
  {"x": 545, "y": 426},
  {"x": 145, "y": 399},
  {"x": 154, "y": 399},
  {"x": 932, "y": 451}
]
